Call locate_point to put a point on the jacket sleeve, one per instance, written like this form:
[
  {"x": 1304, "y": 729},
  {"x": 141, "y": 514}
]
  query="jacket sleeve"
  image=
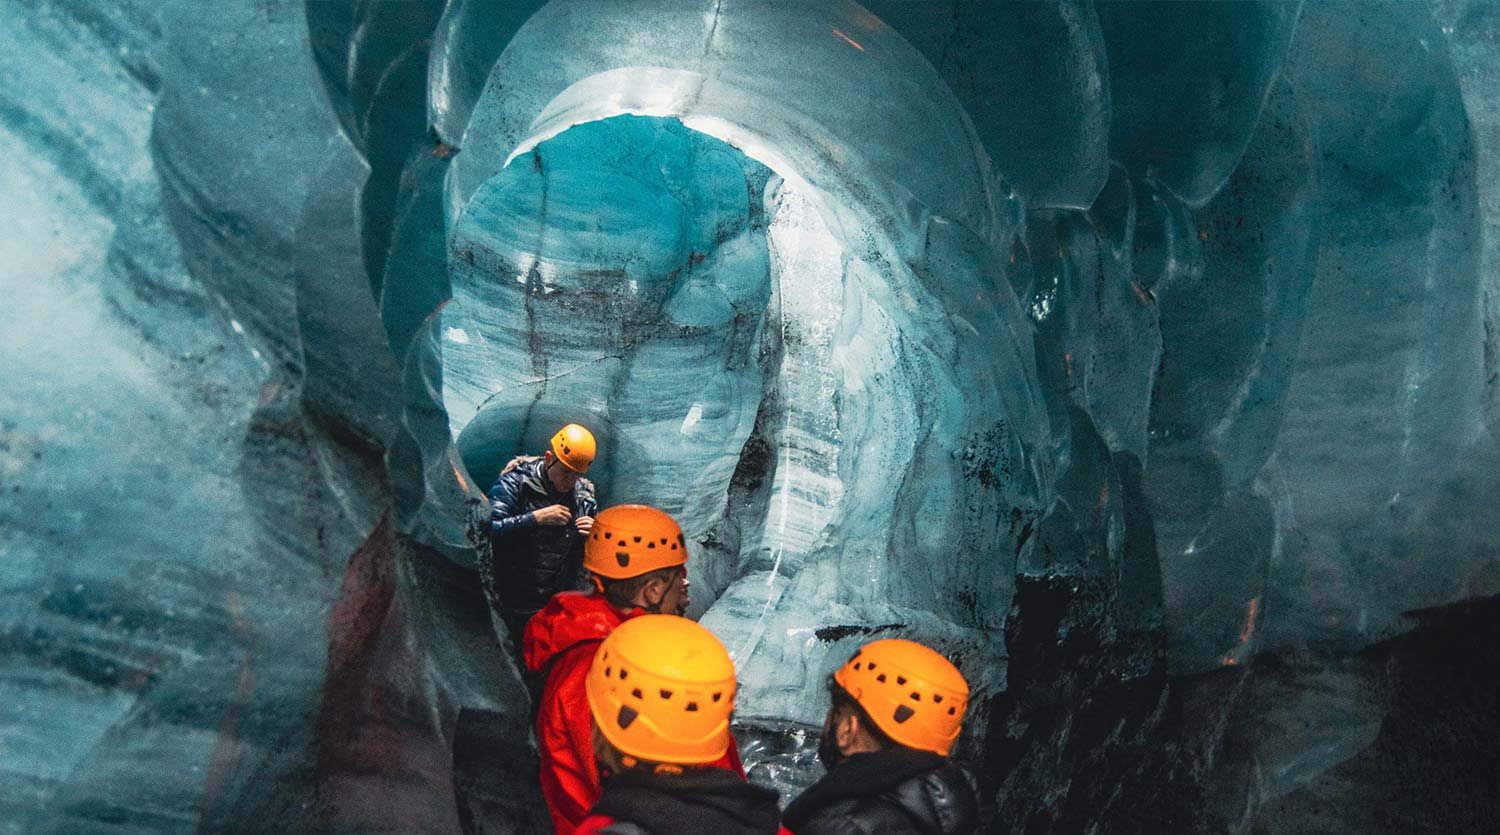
[
  {"x": 505, "y": 506},
  {"x": 564, "y": 729}
]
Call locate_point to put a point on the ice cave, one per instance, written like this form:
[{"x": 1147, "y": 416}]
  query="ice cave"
[{"x": 1143, "y": 357}]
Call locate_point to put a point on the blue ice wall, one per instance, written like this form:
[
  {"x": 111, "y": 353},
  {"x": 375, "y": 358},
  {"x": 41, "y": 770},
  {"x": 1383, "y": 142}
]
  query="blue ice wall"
[{"x": 1093, "y": 342}]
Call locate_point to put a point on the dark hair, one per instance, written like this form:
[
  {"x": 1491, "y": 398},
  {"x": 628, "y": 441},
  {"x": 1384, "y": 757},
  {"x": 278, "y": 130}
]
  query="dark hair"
[
  {"x": 842, "y": 701},
  {"x": 621, "y": 593}
]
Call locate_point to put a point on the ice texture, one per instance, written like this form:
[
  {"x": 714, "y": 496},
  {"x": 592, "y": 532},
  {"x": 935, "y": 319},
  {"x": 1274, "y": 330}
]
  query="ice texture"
[
  {"x": 1033, "y": 78},
  {"x": 1144, "y": 362},
  {"x": 641, "y": 320}
]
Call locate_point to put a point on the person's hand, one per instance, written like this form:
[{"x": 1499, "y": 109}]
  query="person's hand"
[
  {"x": 553, "y": 515},
  {"x": 584, "y": 524}
]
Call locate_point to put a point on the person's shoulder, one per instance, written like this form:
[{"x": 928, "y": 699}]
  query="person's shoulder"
[
  {"x": 570, "y": 620},
  {"x": 945, "y": 800}
]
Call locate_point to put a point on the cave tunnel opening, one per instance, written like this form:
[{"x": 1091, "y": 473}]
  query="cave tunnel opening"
[
  {"x": 618, "y": 275},
  {"x": 708, "y": 316}
]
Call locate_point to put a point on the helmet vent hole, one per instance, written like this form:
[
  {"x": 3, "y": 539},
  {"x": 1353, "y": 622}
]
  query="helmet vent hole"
[
  {"x": 900, "y": 679},
  {"x": 651, "y": 545},
  {"x": 666, "y": 694},
  {"x": 608, "y": 535},
  {"x": 916, "y": 697},
  {"x": 857, "y": 663},
  {"x": 880, "y": 678},
  {"x": 637, "y": 693},
  {"x": 718, "y": 696},
  {"x": 567, "y": 451},
  {"x": 903, "y": 713},
  {"x": 623, "y": 558},
  {"x": 608, "y": 672},
  {"x": 626, "y": 716},
  {"x": 674, "y": 546},
  {"x": 952, "y": 710},
  {"x": 872, "y": 665},
  {"x": 637, "y": 539},
  {"x": 623, "y": 672},
  {"x": 692, "y": 707},
  {"x": 937, "y": 697}
]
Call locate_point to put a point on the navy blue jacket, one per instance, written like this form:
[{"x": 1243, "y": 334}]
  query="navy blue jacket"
[{"x": 531, "y": 561}]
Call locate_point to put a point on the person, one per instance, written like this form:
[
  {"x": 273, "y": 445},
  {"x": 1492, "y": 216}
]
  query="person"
[
  {"x": 897, "y": 708},
  {"x": 541, "y": 508},
  {"x": 636, "y": 557},
  {"x": 660, "y": 693}
]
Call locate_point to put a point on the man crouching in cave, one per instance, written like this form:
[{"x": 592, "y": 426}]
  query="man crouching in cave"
[
  {"x": 897, "y": 710},
  {"x": 541, "y": 508},
  {"x": 636, "y": 557}
]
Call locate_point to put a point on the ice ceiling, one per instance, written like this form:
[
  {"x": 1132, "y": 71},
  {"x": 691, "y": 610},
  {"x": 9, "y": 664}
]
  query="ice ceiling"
[{"x": 1140, "y": 355}]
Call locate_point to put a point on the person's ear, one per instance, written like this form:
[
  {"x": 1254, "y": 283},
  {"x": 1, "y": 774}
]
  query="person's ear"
[
  {"x": 654, "y": 591},
  {"x": 846, "y": 730}
]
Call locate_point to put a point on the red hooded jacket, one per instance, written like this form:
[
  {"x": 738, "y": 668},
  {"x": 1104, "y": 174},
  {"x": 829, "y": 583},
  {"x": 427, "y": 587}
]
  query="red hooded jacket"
[{"x": 561, "y": 639}]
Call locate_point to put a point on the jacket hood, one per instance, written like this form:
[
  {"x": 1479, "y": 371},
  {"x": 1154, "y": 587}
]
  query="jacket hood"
[
  {"x": 568, "y": 619},
  {"x": 710, "y": 800}
]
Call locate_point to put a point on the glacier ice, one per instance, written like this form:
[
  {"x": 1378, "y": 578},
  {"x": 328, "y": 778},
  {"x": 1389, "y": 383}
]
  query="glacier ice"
[{"x": 1142, "y": 361}]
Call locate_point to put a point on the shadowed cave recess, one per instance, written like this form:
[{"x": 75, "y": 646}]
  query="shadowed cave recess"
[{"x": 1139, "y": 356}]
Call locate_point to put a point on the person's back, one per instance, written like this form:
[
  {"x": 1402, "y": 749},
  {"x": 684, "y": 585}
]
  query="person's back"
[
  {"x": 660, "y": 695},
  {"x": 897, "y": 708},
  {"x": 541, "y": 509},
  {"x": 713, "y": 801}
]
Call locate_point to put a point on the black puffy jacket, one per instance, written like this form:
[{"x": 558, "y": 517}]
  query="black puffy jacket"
[
  {"x": 530, "y": 562},
  {"x": 889, "y": 792},
  {"x": 709, "y": 801}
]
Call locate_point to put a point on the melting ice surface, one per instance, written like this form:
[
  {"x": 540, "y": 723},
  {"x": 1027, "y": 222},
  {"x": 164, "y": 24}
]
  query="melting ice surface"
[{"x": 885, "y": 316}]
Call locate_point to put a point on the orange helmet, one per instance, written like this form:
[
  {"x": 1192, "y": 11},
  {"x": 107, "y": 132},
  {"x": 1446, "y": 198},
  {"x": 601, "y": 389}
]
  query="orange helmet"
[
  {"x": 629, "y": 540},
  {"x": 914, "y": 695},
  {"x": 661, "y": 688},
  {"x": 574, "y": 446}
]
